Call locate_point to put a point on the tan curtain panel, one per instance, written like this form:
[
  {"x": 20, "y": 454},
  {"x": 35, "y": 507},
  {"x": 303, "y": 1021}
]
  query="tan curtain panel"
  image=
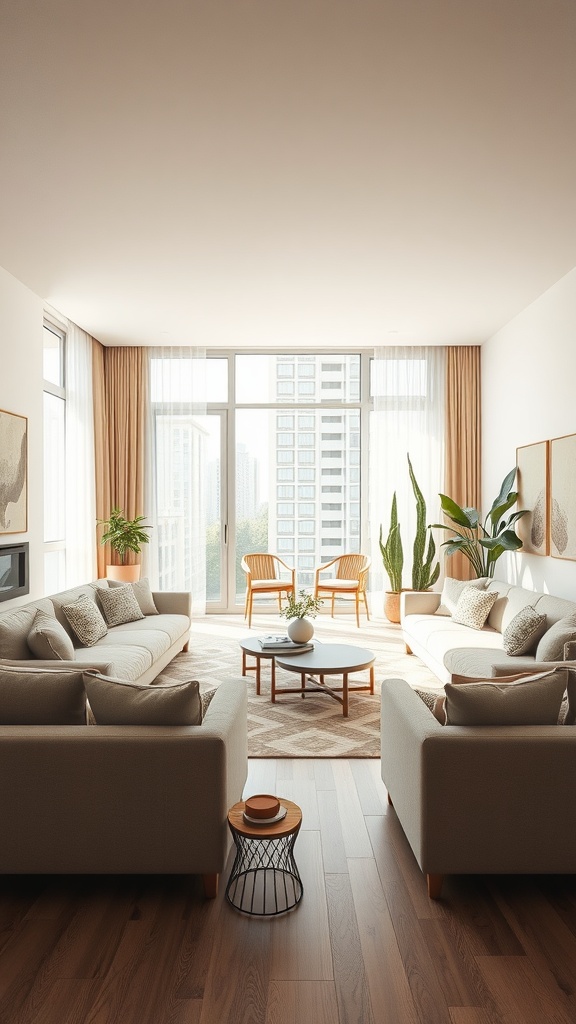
[
  {"x": 120, "y": 390},
  {"x": 463, "y": 439}
]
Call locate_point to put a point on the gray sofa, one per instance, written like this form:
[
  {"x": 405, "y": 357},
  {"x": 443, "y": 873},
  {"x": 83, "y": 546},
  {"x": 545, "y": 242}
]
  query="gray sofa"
[
  {"x": 449, "y": 648},
  {"x": 486, "y": 800},
  {"x": 121, "y": 799},
  {"x": 136, "y": 651}
]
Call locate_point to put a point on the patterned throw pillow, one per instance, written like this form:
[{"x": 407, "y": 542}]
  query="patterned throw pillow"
[
  {"x": 451, "y": 592},
  {"x": 119, "y": 605},
  {"x": 473, "y": 607},
  {"x": 205, "y": 700},
  {"x": 434, "y": 701},
  {"x": 524, "y": 632},
  {"x": 49, "y": 640},
  {"x": 551, "y": 646},
  {"x": 116, "y": 702},
  {"x": 532, "y": 700},
  {"x": 143, "y": 595},
  {"x": 86, "y": 621}
]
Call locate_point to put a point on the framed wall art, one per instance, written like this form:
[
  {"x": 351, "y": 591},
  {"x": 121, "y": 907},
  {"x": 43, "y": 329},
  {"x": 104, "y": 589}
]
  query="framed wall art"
[
  {"x": 563, "y": 497},
  {"x": 13, "y": 473},
  {"x": 533, "y": 462}
]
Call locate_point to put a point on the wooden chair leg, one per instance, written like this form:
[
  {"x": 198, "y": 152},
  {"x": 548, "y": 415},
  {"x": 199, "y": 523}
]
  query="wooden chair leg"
[
  {"x": 366, "y": 603},
  {"x": 333, "y": 595},
  {"x": 211, "y": 886},
  {"x": 358, "y": 609},
  {"x": 250, "y": 596},
  {"x": 434, "y": 883}
]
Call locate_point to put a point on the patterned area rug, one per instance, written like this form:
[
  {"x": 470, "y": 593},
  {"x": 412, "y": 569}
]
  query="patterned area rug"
[{"x": 296, "y": 727}]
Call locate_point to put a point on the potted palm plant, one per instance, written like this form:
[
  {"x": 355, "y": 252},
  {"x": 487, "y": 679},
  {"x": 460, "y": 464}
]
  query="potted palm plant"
[{"x": 123, "y": 535}]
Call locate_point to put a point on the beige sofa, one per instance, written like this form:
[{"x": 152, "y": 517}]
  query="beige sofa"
[
  {"x": 478, "y": 799},
  {"x": 447, "y": 647},
  {"x": 121, "y": 799},
  {"x": 136, "y": 651}
]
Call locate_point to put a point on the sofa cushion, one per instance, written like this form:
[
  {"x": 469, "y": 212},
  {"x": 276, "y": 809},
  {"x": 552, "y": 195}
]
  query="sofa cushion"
[
  {"x": 42, "y": 696},
  {"x": 86, "y": 620},
  {"x": 551, "y": 646},
  {"x": 524, "y": 632},
  {"x": 530, "y": 700},
  {"x": 116, "y": 702},
  {"x": 49, "y": 640},
  {"x": 15, "y": 626},
  {"x": 119, "y": 605},
  {"x": 142, "y": 593},
  {"x": 473, "y": 606},
  {"x": 88, "y": 590},
  {"x": 451, "y": 592}
]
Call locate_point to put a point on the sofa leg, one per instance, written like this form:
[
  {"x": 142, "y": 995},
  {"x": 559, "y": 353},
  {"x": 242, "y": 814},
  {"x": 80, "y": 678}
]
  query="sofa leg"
[
  {"x": 390, "y": 800},
  {"x": 211, "y": 886},
  {"x": 408, "y": 651},
  {"x": 185, "y": 648},
  {"x": 434, "y": 883}
]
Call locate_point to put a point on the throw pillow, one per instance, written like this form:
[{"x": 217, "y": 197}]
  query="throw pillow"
[
  {"x": 143, "y": 595},
  {"x": 119, "y": 605},
  {"x": 451, "y": 592},
  {"x": 205, "y": 700},
  {"x": 524, "y": 632},
  {"x": 434, "y": 701},
  {"x": 49, "y": 640},
  {"x": 116, "y": 702},
  {"x": 532, "y": 700},
  {"x": 43, "y": 696},
  {"x": 473, "y": 606},
  {"x": 551, "y": 646},
  {"x": 14, "y": 629},
  {"x": 86, "y": 621}
]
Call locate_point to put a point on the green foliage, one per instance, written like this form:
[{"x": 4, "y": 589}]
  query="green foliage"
[
  {"x": 424, "y": 572},
  {"x": 123, "y": 534},
  {"x": 305, "y": 608},
  {"x": 483, "y": 543},
  {"x": 392, "y": 551}
]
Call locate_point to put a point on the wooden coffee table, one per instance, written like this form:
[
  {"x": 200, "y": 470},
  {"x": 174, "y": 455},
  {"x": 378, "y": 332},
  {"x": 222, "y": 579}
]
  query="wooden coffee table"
[
  {"x": 252, "y": 646},
  {"x": 327, "y": 660}
]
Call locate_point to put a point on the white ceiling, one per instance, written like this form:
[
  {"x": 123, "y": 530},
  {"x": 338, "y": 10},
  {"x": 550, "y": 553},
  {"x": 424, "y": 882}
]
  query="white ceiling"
[{"x": 288, "y": 172}]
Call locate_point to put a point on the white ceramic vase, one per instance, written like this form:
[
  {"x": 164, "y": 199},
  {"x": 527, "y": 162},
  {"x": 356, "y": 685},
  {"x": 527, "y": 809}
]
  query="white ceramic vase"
[{"x": 300, "y": 630}]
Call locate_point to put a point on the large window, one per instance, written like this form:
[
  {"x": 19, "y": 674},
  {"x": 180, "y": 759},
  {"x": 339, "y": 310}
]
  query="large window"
[{"x": 54, "y": 342}]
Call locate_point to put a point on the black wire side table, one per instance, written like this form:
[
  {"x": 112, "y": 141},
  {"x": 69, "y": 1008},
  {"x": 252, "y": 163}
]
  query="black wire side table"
[{"x": 264, "y": 880}]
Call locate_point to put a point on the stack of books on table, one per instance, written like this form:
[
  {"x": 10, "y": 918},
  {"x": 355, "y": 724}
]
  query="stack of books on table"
[{"x": 278, "y": 642}]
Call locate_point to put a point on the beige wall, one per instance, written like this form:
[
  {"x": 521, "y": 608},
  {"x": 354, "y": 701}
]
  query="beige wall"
[
  {"x": 21, "y": 315},
  {"x": 529, "y": 395}
]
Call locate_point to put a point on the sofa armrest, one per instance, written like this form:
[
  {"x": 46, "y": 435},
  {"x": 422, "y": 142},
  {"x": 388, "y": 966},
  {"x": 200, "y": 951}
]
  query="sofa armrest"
[
  {"x": 173, "y": 602},
  {"x": 418, "y": 602},
  {"x": 106, "y": 668},
  {"x": 479, "y": 799}
]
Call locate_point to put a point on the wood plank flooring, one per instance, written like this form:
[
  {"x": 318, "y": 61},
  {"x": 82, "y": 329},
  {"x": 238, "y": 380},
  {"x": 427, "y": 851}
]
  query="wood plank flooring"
[{"x": 365, "y": 946}]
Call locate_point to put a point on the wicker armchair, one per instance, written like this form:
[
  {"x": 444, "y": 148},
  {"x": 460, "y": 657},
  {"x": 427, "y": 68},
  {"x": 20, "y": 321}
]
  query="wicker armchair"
[
  {"x": 263, "y": 576},
  {"x": 351, "y": 577}
]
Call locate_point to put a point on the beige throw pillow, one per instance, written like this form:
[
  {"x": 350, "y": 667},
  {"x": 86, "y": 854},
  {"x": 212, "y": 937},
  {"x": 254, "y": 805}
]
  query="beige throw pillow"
[
  {"x": 551, "y": 646},
  {"x": 116, "y": 702},
  {"x": 473, "y": 606},
  {"x": 49, "y": 640},
  {"x": 42, "y": 696},
  {"x": 86, "y": 621},
  {"x": 531, "y": 700},
  {"x": 119, "y": 605},
  {"x": 524, "y": 632}
]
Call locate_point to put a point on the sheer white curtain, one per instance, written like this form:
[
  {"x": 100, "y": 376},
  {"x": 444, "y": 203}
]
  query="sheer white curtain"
[
  {"x": 408, "y": 385},
  {"x": 80, "y": 482},
  {"x": 175, "y": 497}
]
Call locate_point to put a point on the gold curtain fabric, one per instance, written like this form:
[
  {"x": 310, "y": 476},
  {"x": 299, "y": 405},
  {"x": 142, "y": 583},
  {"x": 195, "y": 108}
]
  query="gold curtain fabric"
[
  {"x": 463, "y": 438},
  {"x": 120, "y": 390}
]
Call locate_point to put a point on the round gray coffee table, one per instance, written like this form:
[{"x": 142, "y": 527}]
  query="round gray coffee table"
[
  {"x": 251, "y": 645},
  {"x": 328, "y": 660}
]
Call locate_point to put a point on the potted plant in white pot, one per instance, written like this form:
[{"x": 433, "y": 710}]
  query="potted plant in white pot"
[
  {"x": 123, "y": 535},
  {"x": 299, "y": 610}
]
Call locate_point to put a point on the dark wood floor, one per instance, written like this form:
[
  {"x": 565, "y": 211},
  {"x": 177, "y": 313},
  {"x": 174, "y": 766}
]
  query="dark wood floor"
[{"x": 365, "y": 946}]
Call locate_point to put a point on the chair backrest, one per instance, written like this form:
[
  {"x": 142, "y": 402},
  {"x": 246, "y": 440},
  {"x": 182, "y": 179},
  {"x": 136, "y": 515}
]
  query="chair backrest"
[
  {"x": 261, "y": 566},
  {"x": 350, "y": 566}
]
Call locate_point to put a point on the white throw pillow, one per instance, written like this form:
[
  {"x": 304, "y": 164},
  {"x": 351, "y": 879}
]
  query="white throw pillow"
[
  {"x": 451, "y": 592},
  {"x": 473, "y": 607}
]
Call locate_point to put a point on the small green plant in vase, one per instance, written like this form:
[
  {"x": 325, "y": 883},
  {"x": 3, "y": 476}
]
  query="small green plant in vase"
[
  {"x": 299, "y": 610},
  {"x": 123, "y": 535}
]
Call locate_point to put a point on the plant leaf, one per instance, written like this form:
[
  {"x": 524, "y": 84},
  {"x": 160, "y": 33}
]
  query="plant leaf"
[{"x": 455, "y": 512}]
